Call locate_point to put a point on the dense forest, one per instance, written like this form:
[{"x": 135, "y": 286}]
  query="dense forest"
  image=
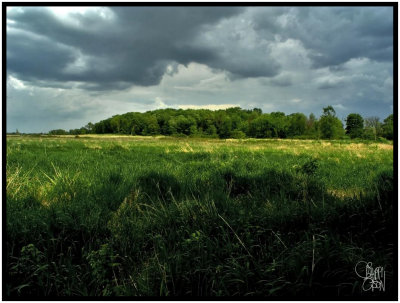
[{"x": 239, "y": 123}]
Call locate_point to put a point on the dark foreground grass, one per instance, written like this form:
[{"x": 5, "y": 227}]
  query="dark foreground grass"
[{"x": 155, "y": 217}]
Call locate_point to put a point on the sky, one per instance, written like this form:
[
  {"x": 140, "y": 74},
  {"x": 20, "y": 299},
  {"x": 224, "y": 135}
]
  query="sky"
[{"x": 67, "y": 66}]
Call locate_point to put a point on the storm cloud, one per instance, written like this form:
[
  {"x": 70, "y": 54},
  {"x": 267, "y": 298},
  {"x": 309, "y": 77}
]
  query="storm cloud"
[
  {"x": 116, "y": 45},
  {"x": 119, "y": 59}
]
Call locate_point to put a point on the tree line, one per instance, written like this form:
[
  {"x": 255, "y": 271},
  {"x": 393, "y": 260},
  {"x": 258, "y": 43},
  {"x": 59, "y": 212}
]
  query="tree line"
[{"x": 239, "y": 123}]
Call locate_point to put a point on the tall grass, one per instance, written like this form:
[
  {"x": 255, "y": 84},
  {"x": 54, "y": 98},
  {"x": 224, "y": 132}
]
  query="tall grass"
[{"x": 158, "y": 217}]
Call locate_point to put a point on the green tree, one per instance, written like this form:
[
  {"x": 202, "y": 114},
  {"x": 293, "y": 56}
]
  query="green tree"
[
  {"x": 312, "y": 126},
  {"x": 58, "y": 132},
  {"x": 223, "y": 123},
  {"x": 115, "y": 124},
  {"x": 329, "y": 125},
  {"x": 137, "y": 124},
  {"x": 372, "y": 125},
  {"x": 172, "y": 126},
  {"x": 89, "y": 127},
  {"x": 211, "y": 131},
  {"x": 185, "y": 125},
  {"x": 243, "y": 127},
  {"x": 151, "y": 126},
  {"x": 125, "y": 124},
  {"x": 297, "y": 124},
  {"x": 311, "y": 120},
  {"x": 387, "y": 127},
  {"x": 280, "y": 124},
  {"x": 329, "y": 111},
  {"x": 354, "y": 125},
  {"x": 103, "y": 127},
  {"x": 257, "y": 110},
  {"x": 261, "y": 127},
  {"x": 369, "y": 134},
  {"x": 225, "y": 128}
]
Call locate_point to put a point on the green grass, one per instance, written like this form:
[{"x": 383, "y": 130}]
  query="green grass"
[{"x": 140, "y": 216}]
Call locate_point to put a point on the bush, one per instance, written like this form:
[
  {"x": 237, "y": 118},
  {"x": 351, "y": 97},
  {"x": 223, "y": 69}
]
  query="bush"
[{"x": 238, "y": 134}]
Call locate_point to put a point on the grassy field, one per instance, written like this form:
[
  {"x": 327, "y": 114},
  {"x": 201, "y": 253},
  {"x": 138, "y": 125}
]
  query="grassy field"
[{"x": 145, "y": 216}]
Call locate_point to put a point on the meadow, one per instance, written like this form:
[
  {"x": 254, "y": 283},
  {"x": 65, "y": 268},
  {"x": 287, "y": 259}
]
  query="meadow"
[{"x": 100, "y": 215}]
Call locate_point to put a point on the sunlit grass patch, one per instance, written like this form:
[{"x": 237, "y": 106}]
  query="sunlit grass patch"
[
  {"x": 346, "y": 193},
  {"x": 385, "y": 146}
]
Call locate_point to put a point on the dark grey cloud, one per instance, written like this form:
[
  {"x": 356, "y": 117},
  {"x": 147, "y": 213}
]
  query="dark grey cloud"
[
  {"x": 35, "y": 57},
  {"x": 133, "y": 46}
]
